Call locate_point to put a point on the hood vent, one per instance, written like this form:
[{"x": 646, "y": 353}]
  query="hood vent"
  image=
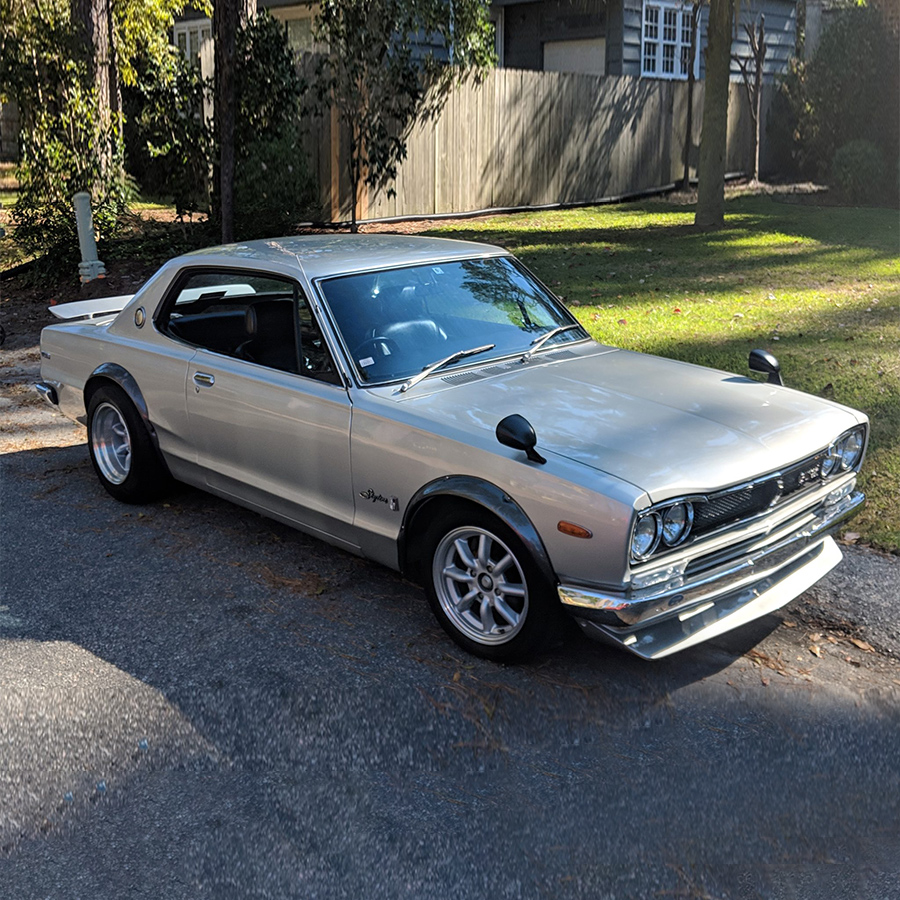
[{"x": 462, "y": 378}]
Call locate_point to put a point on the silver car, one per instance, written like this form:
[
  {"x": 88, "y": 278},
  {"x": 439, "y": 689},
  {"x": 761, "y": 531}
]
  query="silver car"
[{"x": 430, "y": 405}]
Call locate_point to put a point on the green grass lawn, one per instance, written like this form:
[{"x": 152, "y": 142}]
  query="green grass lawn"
[{"x": 818, "y": 286}]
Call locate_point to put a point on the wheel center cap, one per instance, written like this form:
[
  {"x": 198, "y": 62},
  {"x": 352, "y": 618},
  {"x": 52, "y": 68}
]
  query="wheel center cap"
[{"x": 485, "y": 582}]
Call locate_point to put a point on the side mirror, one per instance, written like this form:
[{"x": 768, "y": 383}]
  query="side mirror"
[
  {"x": 765, "y": 362},
  {"x": 515, "y": 431}
]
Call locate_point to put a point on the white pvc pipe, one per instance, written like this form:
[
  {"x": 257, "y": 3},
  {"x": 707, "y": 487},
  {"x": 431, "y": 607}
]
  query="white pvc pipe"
[{"x": 90, "y": 266}]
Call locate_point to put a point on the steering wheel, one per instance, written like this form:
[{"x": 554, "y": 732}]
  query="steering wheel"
[{"x": 377, "y": 348}]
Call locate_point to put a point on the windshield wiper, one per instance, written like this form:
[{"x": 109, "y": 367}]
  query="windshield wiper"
[
  {"x": 433, "y": 367},
  {"x": 539, "y": 342}
]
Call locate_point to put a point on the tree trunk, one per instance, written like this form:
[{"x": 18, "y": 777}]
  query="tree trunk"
[
  {"x": 225, "y": 22},
  {"x": 760, "y": 54},
  {"x": 91, "y": 15},
  {"x": 691, "y": 80},
  {"x": 228, "y": 16},
  {"x": 355, "y": 172},
  {"x": 115, "y": 87},
  {"x": 710, "y": 212}
]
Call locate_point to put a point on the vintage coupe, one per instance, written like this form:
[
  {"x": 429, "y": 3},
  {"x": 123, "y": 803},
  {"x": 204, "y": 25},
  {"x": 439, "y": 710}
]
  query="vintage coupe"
[{"x": 430, "y": 405}]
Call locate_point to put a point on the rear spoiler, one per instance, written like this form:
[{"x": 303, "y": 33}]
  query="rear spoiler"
[{"x": 91, "y": 309}]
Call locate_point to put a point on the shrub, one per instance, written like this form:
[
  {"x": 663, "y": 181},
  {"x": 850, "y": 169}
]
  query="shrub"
[
  {"x": 784, "y": 151},
  {"x": 273, "y": 190},
  {"x": 169, "y": 145},
  {"x": 849, "y": 90},
  {"x": 64, "y": 147},
  {"x": 851, "y": 85},
  {"x": 858, "y": 173}
]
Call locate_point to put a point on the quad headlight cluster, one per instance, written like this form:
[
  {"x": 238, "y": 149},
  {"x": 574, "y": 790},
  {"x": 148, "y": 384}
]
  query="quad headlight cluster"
[
  {"x": 844, "y": 454},
  {"x": 666, "y": 525}
]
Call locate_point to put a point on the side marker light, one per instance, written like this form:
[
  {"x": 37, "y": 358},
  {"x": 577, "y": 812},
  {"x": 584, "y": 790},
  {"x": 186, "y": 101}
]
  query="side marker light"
[{"x": 573, "y": 530}]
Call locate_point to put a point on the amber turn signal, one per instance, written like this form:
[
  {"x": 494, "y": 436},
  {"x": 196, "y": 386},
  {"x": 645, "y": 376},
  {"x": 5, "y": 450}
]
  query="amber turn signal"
[{"x": 574, "y": 530}]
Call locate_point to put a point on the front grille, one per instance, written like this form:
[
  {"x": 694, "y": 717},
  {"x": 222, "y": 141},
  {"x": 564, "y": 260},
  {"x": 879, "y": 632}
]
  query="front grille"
[{"x": 748, "y": 500}]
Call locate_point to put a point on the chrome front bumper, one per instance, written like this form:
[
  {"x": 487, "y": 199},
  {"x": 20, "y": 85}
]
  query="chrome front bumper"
[{"x": 684, "y": 610}]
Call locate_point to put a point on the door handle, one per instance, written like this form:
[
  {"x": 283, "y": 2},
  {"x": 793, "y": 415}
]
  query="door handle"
[{"x": 203, "y": 379}]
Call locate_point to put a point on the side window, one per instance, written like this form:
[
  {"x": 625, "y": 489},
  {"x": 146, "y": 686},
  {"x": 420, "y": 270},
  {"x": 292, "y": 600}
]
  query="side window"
[{"x": 257, "y": 318}]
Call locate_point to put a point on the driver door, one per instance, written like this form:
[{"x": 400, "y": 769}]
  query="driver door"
[{"x": 267, "y": 411}]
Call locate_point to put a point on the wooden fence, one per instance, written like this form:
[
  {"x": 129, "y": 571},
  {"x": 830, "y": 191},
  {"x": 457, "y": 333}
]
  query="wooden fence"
[
  {"x": 518, "y": 139},
  {"x": 522, "y": 138}
]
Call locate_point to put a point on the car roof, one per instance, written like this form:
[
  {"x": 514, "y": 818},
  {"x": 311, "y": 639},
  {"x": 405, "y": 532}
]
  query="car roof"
[{"x": 332, "y": 254}]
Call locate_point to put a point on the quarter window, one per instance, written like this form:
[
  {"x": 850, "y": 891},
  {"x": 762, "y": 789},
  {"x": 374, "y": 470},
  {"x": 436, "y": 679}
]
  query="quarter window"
[{"x": 666, "y": 40}]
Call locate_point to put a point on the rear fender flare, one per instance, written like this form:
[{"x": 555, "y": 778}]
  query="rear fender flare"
[
  {"x": 112, "y": 372},
  {"x": 478, "y": 492}
]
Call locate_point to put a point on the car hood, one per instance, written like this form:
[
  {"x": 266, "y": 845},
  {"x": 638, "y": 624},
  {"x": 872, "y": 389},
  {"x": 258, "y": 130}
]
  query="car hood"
[{"x": 664, "y": 426}]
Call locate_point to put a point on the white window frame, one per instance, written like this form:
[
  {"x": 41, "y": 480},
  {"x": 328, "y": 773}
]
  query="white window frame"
[
  {"x": 306, "y": 12},
  {"x": 200, "y": 29},
  {"x": 498, "y": 20},
  {"x": 666, "y": 40}
]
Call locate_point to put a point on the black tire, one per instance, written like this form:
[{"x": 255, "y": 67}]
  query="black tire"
[
  {"x": 122, "y": 453},
  {"x": 498, "y": 604}
]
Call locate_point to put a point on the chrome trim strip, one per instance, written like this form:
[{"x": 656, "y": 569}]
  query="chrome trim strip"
[{"x": 634, "y": 609}]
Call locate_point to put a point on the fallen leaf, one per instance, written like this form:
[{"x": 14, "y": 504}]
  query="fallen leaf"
[
  {"x": 765, "y": 682},
  {"x": 816, "y": 650},
  {"x": 789, "y": 624},
  {"x": 623, "y": 322},
  {"x": 851, "y": 537},
  {"x": 815, "y": 637},
  {"x": 831, "y": 639},
  {"x": 863, "y": 645},
  {"x": 853, "y": 662},
  {"x": 456, "y": 677}
]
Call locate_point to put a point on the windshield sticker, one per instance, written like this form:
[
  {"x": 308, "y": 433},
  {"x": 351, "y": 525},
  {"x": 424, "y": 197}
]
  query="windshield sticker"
[
  {"x": 368, "y": 361},
  {"x": 437, "y": 270}
]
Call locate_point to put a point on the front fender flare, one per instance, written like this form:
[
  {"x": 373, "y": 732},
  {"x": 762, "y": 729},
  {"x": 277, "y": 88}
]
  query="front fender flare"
[{"x": 481, "y": 493}]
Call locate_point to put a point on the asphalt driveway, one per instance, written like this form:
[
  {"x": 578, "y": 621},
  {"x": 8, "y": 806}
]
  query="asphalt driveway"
[{"x": 197, "y": 702}]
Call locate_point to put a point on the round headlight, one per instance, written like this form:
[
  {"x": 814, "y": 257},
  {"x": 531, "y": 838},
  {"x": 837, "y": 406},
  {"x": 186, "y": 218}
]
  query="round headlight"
[
  {"x": 676, "y": 523},
  {"x": 831, "y": 462},
  {"x": 850, "y": 449},
  {"x": 646, "y": 536}
]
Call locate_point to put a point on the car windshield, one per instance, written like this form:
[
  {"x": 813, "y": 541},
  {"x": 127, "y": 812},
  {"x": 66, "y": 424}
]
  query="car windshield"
[{"x": 395, "y": 323}]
